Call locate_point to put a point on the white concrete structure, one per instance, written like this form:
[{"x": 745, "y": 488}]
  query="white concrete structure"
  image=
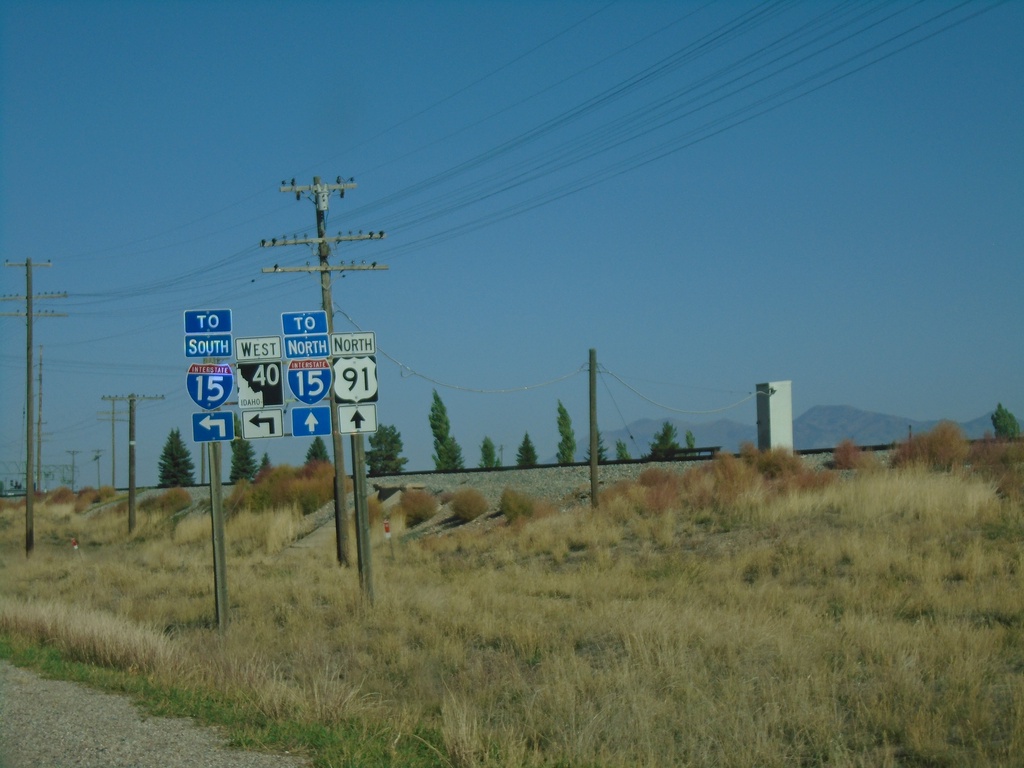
[{"x": 775, "y": 415}]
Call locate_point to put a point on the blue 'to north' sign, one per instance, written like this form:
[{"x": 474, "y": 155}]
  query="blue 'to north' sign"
[
  {"x": 305, "y": 335},
  {"x": 304, "y": 323}
]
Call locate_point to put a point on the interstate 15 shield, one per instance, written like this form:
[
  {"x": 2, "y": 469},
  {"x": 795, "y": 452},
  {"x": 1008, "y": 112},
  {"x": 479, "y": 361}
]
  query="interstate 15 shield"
[
  {"x": 309, "y": 380},
  {"x": 209, "y": 384}
]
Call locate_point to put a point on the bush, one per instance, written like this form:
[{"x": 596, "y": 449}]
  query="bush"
[
  {"x": 943, "y": 448},
  {"x": 848, "y": 455},
  {"x": 62, "y": 495},
  {"x": 86, "y": 498},
  {"x": 1003, "y": 463},
  {"x": 308, "y": 487},
  {"x": 171, "y": 500},
  {"x": 774, "y": 463},
  {"x": 661, "y": 490},
  {"x": 468, "y": 504},
  {"x": 418, "y": 506},
  {"x": 515, "y": 505}
]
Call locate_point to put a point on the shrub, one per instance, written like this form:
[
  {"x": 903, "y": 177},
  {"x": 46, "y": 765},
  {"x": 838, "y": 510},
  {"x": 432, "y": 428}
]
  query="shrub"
[
  {"x": 308, "y": 487},
  {"x": 661, "y": 490},
  {"x": 943, "y": 448},
  {"x": 468, "y": 504},
  {"x": 774, "y": 463},
  {"x": 847, "y": 455},
  {"x": 1003, "y": 463},
  {"x": 86, "y": 498},
  {"x": 171, "y": 500},
  {"x": 732, "y": 477},
  {"x": 418, "y": 505},
  {"x": 62, "y": 495},
  {"x": 515, "y": 505}
]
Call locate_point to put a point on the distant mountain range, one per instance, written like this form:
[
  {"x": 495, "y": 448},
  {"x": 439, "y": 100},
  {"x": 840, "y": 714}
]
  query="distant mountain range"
[{"x": 823, "y": 426}]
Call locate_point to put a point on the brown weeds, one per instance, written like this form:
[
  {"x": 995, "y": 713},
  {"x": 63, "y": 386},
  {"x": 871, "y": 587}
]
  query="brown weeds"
[{"x": 742, "y": 615}]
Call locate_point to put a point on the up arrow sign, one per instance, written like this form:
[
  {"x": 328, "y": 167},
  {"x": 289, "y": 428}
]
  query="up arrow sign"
[
  {"x": 311, "y": 421},
  {"x": 357, "y": 419}
]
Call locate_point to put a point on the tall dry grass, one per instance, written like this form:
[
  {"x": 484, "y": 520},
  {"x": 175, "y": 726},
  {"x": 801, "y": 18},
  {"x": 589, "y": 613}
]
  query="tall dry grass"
[{"x": 744, "y": 613}]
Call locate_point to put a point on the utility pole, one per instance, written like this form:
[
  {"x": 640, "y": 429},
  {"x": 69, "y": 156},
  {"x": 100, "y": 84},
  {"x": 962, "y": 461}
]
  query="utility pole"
[
  {"x": 96, "y": 452},
  {"x": 132, "y": 399},
  {"x": 39, "y": 425},
  {"x": 593, "y": 429},
  {"x": 73, "y": 454},
  {"x": 321, "y": 194},
  {"x": 29, "y": 315},
  {"x": 113, "y": 441}
]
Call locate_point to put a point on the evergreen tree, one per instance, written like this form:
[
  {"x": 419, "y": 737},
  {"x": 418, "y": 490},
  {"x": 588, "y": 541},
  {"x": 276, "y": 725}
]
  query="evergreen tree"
[
  {"x": 1005, "y": 423},
  {"x": 384, "y": 456},
  {"x": 488, "y": 455},
  {"x": 317, "y": 451},
  {"x": 691, "y": 441},
  {"x": 526, "y": 456},
  {"x": 243, "y": 457},
  {"x": 176, "y": 469},
  {"x": 451, "y": 455},
  {"x": 665, "y": 444},
  {"x": 265, "y": 466},
  {"x": 602, "y": 452},
  {"x": 621, "y": 451},
  {"x": 447, "y": 452},
  {"x": 567, "y": 442}
]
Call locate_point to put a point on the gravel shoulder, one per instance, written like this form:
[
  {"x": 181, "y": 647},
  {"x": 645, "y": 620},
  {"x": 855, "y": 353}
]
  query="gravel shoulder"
[{"x": 56, "y": 724}]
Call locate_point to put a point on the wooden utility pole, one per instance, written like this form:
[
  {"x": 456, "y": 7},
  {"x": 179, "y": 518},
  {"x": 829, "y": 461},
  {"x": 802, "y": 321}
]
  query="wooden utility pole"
[
  {"x": 593, "y": 429},
  {"x": 132, "y": 399},
  {"x": 220, "y": 582},
  {"x": 29, "y": 315},
  {"x": 321, "y": 194},
  {"x": 113, "y": 440},
  {"x": 73, "y": 454},
  {"x": 96, "y": 453},
  {"x": 39, "y": 427}
]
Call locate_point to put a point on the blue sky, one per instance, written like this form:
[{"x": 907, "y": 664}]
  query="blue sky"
[{"x": 711, "y": 195}]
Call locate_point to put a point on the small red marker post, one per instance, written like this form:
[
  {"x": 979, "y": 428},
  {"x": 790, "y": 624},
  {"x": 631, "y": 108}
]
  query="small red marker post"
[{"x": 387, "y": 536}]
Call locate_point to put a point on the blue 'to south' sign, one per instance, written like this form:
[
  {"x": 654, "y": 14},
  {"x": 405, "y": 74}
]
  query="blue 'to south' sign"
[
  {"x": 209, "y": 385},
  {"x": 207, "y": 321}
]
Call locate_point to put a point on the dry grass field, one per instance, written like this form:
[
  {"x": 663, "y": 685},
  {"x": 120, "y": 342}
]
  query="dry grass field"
[{"x": 747, "y": 612}]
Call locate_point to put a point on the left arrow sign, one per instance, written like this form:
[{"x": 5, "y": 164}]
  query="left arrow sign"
[
  {"x": 211, "y": 427},
  {"x": 266, "y": 423}
]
